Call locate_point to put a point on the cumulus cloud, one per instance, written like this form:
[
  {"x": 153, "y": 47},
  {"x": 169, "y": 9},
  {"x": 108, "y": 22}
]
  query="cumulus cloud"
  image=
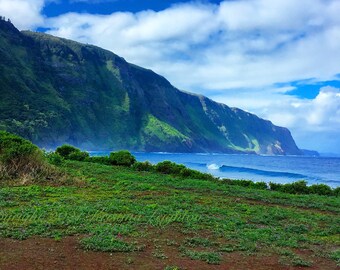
[
  {"x": 147, "y": 38},
  {"x": 234, "y": 52},
  {"x": 25, "y": 14},
  {"x": 236, "y": 44},
  {"x": 314, "y": 123}
]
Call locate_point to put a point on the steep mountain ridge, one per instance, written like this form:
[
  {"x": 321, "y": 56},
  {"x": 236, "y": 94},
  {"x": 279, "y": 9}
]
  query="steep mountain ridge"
[{"x": 56, "y": 91}]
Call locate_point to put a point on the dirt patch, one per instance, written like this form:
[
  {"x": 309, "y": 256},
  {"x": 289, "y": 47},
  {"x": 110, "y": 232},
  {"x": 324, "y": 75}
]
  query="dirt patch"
[{"x": 44, "y": 253}]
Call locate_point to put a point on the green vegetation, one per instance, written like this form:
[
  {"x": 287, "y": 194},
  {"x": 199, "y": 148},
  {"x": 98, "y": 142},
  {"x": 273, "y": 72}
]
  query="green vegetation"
[
  {"x": 300, "y": 187},
  {"x": 160, "y": 133},
  {"x": 107, "y": 243},
  {"x": 145, "y": 166},
  {"x": 246, "y": 183},
  {"x": 56, "y": 91},
  {"x": 101, "y": 160},
  {"x": 124, "y": 208},
  {"x": 122, "y": 158},
  {"x": 23, "y": 162},
  {"x": 72, "y": 153},
  {"x": 168, "y": 167},
  {"x": 209, "y": 257}
]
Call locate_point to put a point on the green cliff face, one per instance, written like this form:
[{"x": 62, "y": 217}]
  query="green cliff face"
[{"x": 56, "y": 91}]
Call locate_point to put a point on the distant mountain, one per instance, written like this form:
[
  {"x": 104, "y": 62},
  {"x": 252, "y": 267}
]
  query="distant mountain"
[
  {"x": 311, "y": 153},
  {"x": 330, "y": 155},
  {"x": 56, "y": 91}
]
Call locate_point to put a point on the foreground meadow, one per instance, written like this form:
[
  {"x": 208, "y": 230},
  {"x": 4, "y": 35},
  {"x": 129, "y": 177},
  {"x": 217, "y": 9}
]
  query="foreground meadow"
[{"x": 113, "y": 217}]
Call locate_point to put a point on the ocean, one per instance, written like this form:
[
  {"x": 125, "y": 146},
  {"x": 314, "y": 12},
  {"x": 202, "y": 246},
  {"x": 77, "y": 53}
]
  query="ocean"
[{"x": 278, "y": 169}]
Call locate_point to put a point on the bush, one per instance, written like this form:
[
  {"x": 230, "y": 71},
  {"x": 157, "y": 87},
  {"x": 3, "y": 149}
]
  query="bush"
[
  {"x": 299, "y": 187},
  {"x": 72, "y": 153},
  {"x": 275, "y": 186},
  {"x": 13, "y": 148},
  {"x": 246, "y": 183},
  {"x": 320, "y": 189},
  {"x": 79, "y": 156},
  {"x": 122, "y": 158},
  {"x": 260, "y": 185},
  {"x": 145, "y": 166},
  {"x": 336, "y": 191},
  {"x": 22, "y": 160},
  {"x": 65, "y": 150},
  {"x": 243, "y": 183},
  {"x": 54, "y": 158},
  {"x": 189, "y": 173},
  {"x": 101, "y": 160},
  {"x": 168, "y": 167}
]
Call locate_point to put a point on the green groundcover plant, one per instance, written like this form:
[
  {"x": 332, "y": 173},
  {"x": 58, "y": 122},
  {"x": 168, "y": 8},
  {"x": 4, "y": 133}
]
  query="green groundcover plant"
[{"x": 20, "y": 159}]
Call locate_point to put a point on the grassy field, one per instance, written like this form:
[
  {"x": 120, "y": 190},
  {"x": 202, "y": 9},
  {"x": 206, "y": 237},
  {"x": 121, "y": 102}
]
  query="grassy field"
[{"x": 146, "y": 220}]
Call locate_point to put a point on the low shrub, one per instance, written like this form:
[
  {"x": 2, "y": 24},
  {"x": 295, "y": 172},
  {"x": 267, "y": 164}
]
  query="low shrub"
[
  {"x": 299, "y": 187},
  {"x": 122, "y": 158},
  {"x": 145, "y": 166},
  {"x": 243, "y": 183},
  {"x": 100, "y": 160},
  {"x": 72, "y": 153},
  {"x": 168, "y": 167},
  {"x": 189, "y": 173},
  {"x": 260, "y": 185},
  {"x": 20, "y": 160},
  {"x": 320, "y": 189},
  {"x": 275, "y": 186},
  {"x": 79, "y": 156},
  {"x": 246, "y": 183},
  {"x": 65, "y": 150},
  {"x": 54, "y": 158},
  {"x": 336, "y": 191}
]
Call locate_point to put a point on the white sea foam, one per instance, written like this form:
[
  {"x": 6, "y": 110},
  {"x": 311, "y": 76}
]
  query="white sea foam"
[{"x": 213, "y": 166}]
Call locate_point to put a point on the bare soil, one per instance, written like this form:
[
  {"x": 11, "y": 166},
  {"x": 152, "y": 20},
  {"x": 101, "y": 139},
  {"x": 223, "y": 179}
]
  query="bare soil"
[{"x": 66, "y": 254}]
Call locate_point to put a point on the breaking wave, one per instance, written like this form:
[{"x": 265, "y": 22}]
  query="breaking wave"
[
  {"x": 213, "y": 166},
  {"x": 225, "y": 168}
]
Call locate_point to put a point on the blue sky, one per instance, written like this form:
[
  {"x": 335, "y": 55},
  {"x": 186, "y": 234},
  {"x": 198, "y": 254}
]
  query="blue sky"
[
  {"x": 55, "y": 8},
  {"x": 278, "y": 59}
]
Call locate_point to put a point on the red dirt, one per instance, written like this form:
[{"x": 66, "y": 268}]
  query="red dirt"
[{"x": 66, "y": 254}]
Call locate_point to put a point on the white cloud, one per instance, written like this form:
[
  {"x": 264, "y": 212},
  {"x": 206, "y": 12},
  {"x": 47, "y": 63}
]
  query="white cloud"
[
  {"x": 145, "y": 38},
  {"x": 25, "y": 14},
  {"x": 267, "y": 15},
  {"x": 314, "y": 123},
  {"x": 324, "y": 110},
  {"x": 241, "y": 44},
  {"x": 249, "y": 45}
]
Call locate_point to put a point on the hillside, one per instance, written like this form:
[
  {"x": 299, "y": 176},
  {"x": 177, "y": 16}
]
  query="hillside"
[
  {"x": 123, "y": 219},
  {"x": 56, "y": 91}
]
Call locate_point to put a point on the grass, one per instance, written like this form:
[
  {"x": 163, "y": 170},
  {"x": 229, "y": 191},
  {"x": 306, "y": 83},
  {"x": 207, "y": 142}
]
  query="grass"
[
  {"x": 209, "y": 257},
  {"x": 118, "y": 209},
  {"x": 198, "y": 241},
  {"x": 107, "y": 243}
]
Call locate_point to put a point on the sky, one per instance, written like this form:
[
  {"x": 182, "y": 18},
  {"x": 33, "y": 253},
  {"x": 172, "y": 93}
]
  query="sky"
[{"x": 279, "y": 59}]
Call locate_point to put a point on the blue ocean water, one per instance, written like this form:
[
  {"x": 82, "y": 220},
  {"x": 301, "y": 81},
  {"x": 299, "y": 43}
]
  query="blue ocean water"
[{"x": 278, "y": 169}]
